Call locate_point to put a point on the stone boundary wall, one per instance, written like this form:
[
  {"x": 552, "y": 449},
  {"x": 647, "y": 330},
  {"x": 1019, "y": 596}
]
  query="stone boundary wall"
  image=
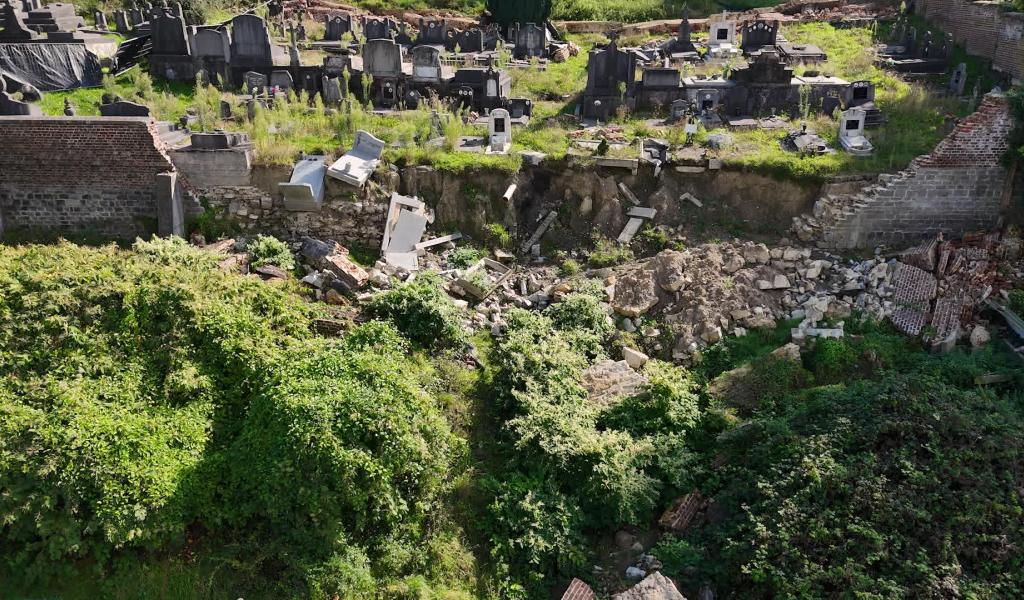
[
  {"x": 81, "y": 174},
  {"x": 961, "y": 186},
  {"x": 983, "y": 29}
]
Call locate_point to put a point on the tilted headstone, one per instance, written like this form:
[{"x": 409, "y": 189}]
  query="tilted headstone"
[
  {"x": 281, "y": 80},
  {"x": 123, "y": 108},
  {"x": 499, "y": 132},
  {"x": 255, "y": 81},
  {"x": 432, "y": 32},
  {"x": 337, "y": 26},
  {"x": 101, "y": 20},
  {"x": 382, "y": 58},
  {"x": 471, "y": 40},
  {"x": 305, "y": 190},
  {"x": 250, "y": 42},
  {"x": 426, "y": 64},
  {"x": 958, "y": 80},
  {"x": 356, "y": 166},
  {"x": 530, "y": 42}
]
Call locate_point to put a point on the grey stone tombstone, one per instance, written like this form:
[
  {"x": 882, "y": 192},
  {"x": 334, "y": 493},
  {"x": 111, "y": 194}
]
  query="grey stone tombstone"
[
  {"x": 123, "y": 108},
  {"x": 225, "y": 110},
  {"x": 436, "y": 126},
  {"x": 335, "y": 65},
  {"x": 282, "y": 80},
  {"x": 432, "y": 32},
  {"x": 661, "y": 77},
  {"x": 337, "y": 26},
  {"x": 451, "y": 39},
  {"x": 331, "y": 90},
  {"x": 520, "y": 109},
  {"x": 212, "y": 52},
  {"x": 426, "y": 64},
  {"x": 170, "y": 216},
  {"x": 255, "y": 81},
  {"x": 499, "y": 132},
  {"x": 178, "y": 9},
  {"x": 678, "y": 110},
  {"x": 958, "y": 80},
  {"x": 492, "y": 35},
  {"x": 356, "y": 166},
  {"x": 293, "y": 47},
  {"x": 121, "y": 21},
  {"x": 136, "y": 17},
  {"x": 382, "y": 58},
  {"x": 471, "y": 40},
  {"x": 758, "y": 34},
  {"x": 859, "y": 92},
  {"x": 375, "y": 28},
  {"x": 529, "y": 42},
  {"x": 101, "y": 20},
  {"x": 250, "y": 42},
  {"x": 168, "y": 35}
]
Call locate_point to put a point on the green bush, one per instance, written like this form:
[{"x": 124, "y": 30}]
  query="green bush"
[
  {"x": 497, "y": 236},
  {"x": 145, "y": 392},
  {"x": 422, "y": 311},
  {"x": 465, "y": 256},
  {"x": 668, "y": 402},
  {"x": 268, "y": 250},
  {"x": 608, "y": 253}
]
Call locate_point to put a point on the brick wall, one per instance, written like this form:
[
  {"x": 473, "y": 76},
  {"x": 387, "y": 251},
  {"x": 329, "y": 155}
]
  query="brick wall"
[
  {"x": 983, "y": 29},
  {"x": 80, "y": 174},
  {"x": 959, "y": 187}
]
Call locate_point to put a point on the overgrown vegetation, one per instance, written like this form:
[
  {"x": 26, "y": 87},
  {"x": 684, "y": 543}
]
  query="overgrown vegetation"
[{"x": 152, "y": 406}]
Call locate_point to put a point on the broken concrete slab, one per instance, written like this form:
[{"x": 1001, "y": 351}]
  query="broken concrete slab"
[
  {"x": 653, "y": 587},
  {"x": 438, "y": 241},
  {"x": 304, "y": 191},
  {"x": 692, "y": 199},
  {"x": 541, "y": 229},
  {"x": 356, "y": 166},
  {"x": 408, "y": 231},
  {"x": 608, "y": 381},
  {"x": 403, "y": 260},
  {"x": 348, "y": 272},
  {"x": 628, "y": 193},
  {"x": 642, "y": 212},
  {"x": 634, "y": 358},
  {"x": 630, "y": 230}
]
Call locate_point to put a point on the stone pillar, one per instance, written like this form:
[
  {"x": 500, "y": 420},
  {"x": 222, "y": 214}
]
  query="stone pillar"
[{"x": 170, "y": 219}]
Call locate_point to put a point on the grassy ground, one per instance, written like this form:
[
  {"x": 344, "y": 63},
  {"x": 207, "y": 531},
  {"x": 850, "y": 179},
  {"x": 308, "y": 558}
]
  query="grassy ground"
[{"x": 917, "y": 116}]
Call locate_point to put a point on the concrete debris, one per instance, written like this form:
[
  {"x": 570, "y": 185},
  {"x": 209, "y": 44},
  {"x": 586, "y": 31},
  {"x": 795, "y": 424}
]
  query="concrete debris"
[
  {"x": 692, "y": 199},
  {"x": 628, "y": 193},
  {"x": 630, "y": 230},
  {"x": 609, "y": 381},
  {"x": 654, "y": 587},
  {"x": 634, "y": 358},
  {"x": 540, "y": 231}
]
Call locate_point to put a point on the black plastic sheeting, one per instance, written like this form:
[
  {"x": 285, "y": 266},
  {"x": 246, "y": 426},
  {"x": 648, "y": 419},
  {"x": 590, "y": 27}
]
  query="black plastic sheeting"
[{"x": 51, "y": 67}]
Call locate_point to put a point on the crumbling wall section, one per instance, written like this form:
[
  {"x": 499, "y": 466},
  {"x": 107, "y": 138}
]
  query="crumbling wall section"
[
  {"x": 983, "y": 29},
  {"x": 961, "y": 186},
  {"x": 348, "y": 216},
  {"x": 80, "y": 174}
]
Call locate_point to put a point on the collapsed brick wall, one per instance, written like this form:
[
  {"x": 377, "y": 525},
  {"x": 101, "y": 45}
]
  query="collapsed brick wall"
[
  {"x": 959, "y": 187},
  {"x": 80, "y": 174},
  {"x": 983, "y": 29}
]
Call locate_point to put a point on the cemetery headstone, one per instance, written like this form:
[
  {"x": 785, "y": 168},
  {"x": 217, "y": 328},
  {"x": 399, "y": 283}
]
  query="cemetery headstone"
[
  {"x": 530, "y": 42},
  {"x": 499, "y": 132},
  {"x": 255, "y": 81},
  {"x": 382, "y": 58},
  {"x": 958, "y": 80},
  {"x": 426, "y": 65},
  {"x": 250, "y": 42},
  {"x": 337, "y": 26},
  {"x": 375, "y": 28},
  {"x": 14, "y": 29},
  {"x": 758, "y": 34},
  {"x": 432, "y": 32},
  {"x": 123, "y": 108},
  {"x": 100, "y": 19},
  {"x": 281, "y": 80},
  {"x": 121, "y": 21},
  {"x": 471, "y": 40},
  {"x": 331, "y": 90}
]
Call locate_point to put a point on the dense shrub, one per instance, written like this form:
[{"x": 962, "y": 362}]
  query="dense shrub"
[
  {"x": 145, "y": 392},
  {"x": 901, "y": 487},
  {"x": 268, "y": 250},
  {"x": 422, "y": 311}
]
